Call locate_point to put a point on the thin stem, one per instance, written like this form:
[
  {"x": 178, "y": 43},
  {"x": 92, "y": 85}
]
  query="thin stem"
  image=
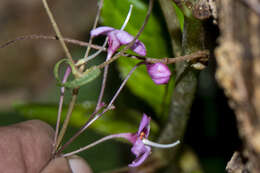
[
  {"x": 115, "y": 96},
  {"x": 57, "y": 31},
  {"x": 103, "y": 86},
  {"x": 120, "y": 135},
  {"x": 66, "y": 75},
  {"x": 94, "y": 27},
  {"x": 47, "y": 37},
  {"x": 82, "y": 129},
  {"x": 196, "y": 55},
  {"x": 87, "y": 58},
  {"x": 66, "y": 121},
  {"x": 165, "y": 60},
  {"x": 72, "y": 103},
  {"x": 95, "y": 115},
  {"x": 123, "y": 84},
  {"x": 94, "y": 55}
]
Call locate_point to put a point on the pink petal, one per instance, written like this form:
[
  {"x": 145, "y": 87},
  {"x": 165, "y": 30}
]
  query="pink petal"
[
  {"x": 138, "y": 147},
  {"x": 144, "y": 125},
  {"x": 161, "y": 80},
  {"x": 124, "y": 37},
  {"x": 139, "y": 48},
  {"x": 103, "y": 30},
  {"x": 113, "y": 44},
  {"x": 141, "y": 158},
  {"x": 159, "y": 73}
]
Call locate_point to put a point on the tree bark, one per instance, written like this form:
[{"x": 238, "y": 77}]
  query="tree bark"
[{"x": 238, "y": 72}]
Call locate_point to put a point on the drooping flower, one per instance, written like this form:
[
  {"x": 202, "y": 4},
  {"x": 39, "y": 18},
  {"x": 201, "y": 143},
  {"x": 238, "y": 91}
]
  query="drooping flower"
[
  {"x": 141, "y": 145},
  {"x": 116, "y": 38},
  {"x": 139, "y": 149},
  {"x": 159, "y": 73}
]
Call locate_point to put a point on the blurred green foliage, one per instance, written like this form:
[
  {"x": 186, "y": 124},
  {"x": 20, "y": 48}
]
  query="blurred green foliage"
[
  {"x": 115, "y": 121},
  {"x": 179, "y": 14}
]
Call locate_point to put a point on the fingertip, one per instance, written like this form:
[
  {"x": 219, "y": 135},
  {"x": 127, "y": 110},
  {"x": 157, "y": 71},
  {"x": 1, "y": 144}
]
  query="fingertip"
[{"x": 78, "y": 165}]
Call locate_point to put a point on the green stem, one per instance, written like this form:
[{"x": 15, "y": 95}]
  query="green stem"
[
  {"x": 66, "y": 121},
  {"x": 57, "y": 31}
]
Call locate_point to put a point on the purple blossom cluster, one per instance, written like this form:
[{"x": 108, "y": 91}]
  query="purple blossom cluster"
[{"x": 159, "y": 72}]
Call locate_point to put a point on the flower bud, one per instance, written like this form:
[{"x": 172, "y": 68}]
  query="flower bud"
[{"x": 159, "y": 73}]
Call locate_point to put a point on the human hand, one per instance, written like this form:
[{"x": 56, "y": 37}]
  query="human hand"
[{"x": 27, "y": 147}]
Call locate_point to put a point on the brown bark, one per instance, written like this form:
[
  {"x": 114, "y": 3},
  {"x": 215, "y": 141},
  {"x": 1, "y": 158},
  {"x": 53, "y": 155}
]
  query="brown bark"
[{"x": 238, "y": 72}]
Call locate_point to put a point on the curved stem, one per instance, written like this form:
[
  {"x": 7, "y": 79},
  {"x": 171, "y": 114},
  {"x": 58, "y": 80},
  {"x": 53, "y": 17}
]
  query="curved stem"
[{"x": 120, "y": 135}]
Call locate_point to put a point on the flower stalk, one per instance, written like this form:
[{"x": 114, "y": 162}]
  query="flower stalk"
[
  {"x": 62, "y": 92},
  {"x": 103, "y": 86},
  {"x": 141, "y": 145},
  {"x": 97, "y": 115},
  {"x": 67, "y": 119}
]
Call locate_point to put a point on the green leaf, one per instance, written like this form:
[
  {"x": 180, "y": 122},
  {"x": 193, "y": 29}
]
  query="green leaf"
[
  {"x": 179, "y": 14},
  {"x": 87, "y": 77},
  {"x": 154, "y": 38},
  {"x": 111, "y": 122},
  {"x": 57, "y": 67},
  {"x": 84, "y": 78}
]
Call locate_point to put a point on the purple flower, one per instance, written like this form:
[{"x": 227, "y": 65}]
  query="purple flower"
[
  {"x": 116, "y": 38},
  {"x": 159, "y": 73},
  {"x": 139, "y": 149},
  {"x": 141, "y": 145}
]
